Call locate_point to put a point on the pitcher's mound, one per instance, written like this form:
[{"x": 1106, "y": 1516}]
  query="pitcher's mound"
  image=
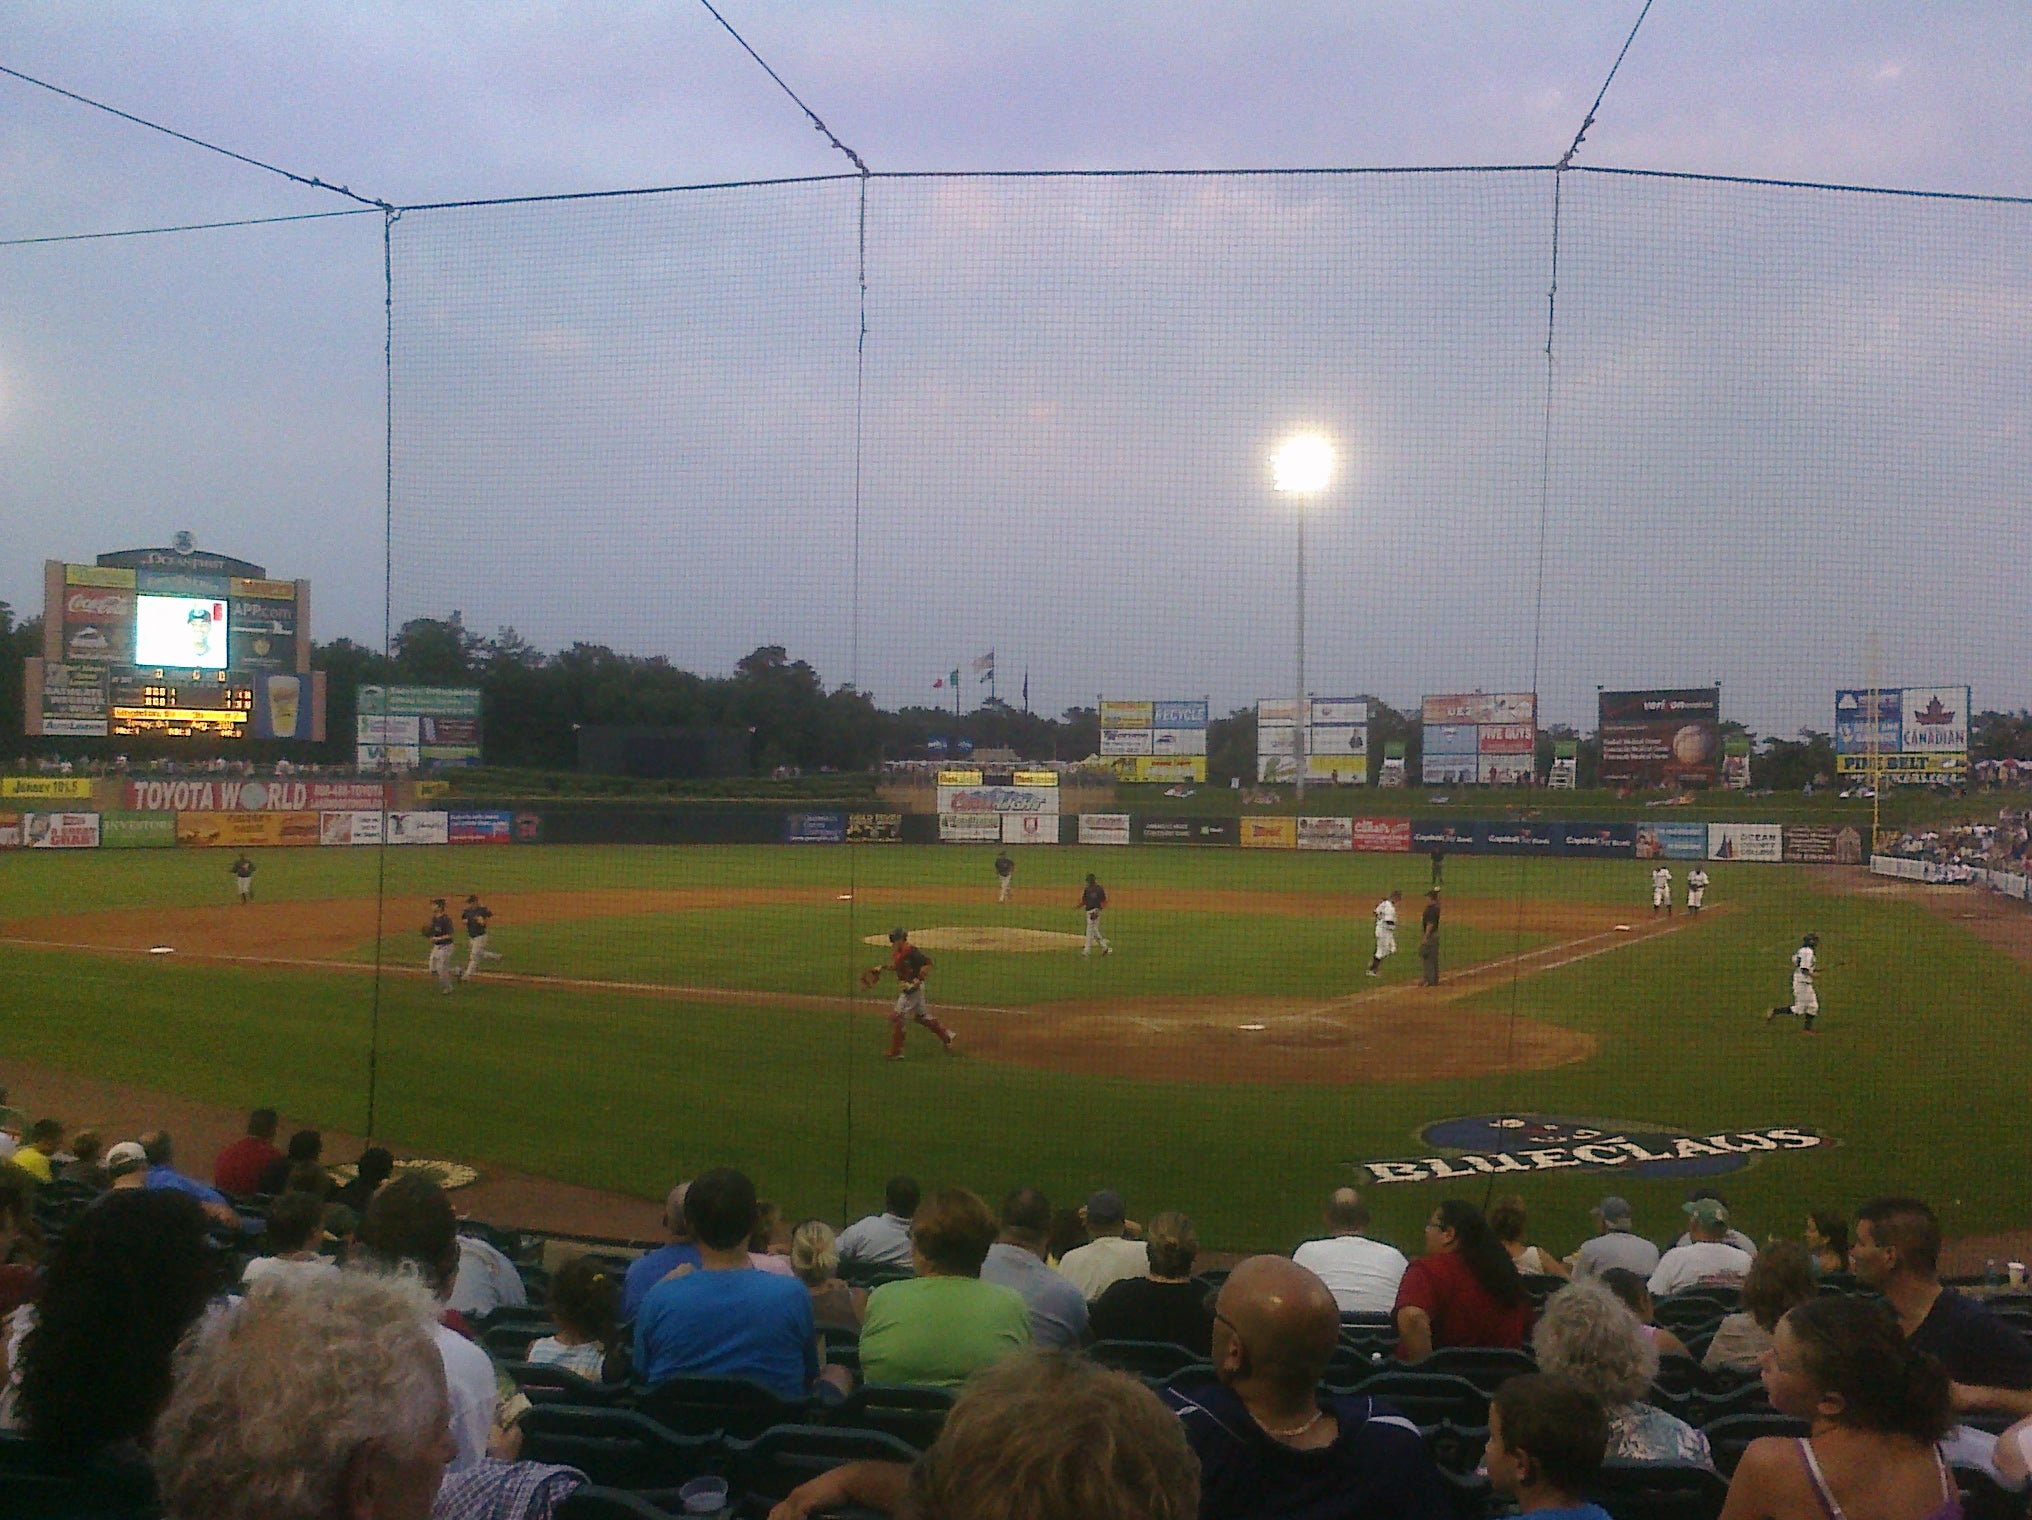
[{"x": 985, "y": 937}]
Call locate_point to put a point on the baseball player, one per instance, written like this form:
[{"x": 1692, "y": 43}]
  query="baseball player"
[
  {"x": 1428, "y": 940},
  {"x": 477, "y": 916},
  {"x": 243, "y": 877},
  {"x": 1805, "y": 1000},
  {"x": 1005, "y": 876},
  {"x": 1093, "y": 898},
  {"x": 911, "y": 966},
  {"x": 1661, "y": 891},
  {"x": 439, "y": 932},
  {"x": 1386, "y": 932},
  {"x": 1696, "y": 889}
]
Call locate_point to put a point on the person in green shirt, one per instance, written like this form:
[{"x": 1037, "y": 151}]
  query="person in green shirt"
[{"x": 944, "y": 1323}]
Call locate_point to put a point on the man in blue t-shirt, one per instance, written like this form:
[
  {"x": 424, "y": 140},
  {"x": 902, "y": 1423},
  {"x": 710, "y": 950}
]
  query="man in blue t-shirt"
[
  {"x": 726, "y": 1319},
  {"x": 647, "y": 1270},
  {"x": 1897, "y": 1253},
  {"x": 1269, "y": 1446}
]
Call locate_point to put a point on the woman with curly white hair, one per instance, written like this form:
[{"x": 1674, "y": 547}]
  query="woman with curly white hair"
[
  {"x": 315, "y": 1398},
  {"x": 1587, "y": 1334}
]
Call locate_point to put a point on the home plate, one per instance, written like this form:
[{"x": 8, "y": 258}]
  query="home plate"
[
  {"x": 1252, "y": 1026},
  {"x": 162, "y": 949},
  {"x": 844, "y": 897},
  {"x": 1623, "y": 928}
]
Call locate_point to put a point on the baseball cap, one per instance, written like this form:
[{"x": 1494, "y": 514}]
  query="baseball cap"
[
  {"x": 127, "y": 1156},
  {"x": 899, "y": 932},
  {"x": 1614, "y": 1210},
  {"x": 1106, "y": 1207},
  {"x": 1707, "y": 1210}
]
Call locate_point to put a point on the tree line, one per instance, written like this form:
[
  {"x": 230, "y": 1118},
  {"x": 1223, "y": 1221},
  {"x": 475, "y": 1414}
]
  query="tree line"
[{"x": 535, "y": 703}]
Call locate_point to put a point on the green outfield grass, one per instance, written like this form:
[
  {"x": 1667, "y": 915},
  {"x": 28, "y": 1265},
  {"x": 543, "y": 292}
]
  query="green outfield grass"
[{"x": 1919, "y": 1074}]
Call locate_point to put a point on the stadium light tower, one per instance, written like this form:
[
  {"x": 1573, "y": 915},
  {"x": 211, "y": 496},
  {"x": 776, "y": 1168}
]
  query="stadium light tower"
[{"x": 1302, "y": 467}]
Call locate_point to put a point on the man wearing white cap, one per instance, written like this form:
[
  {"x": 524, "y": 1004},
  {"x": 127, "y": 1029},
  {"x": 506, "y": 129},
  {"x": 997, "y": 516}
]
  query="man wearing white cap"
[
  {"x": 1617, "y": 1244},
  {"x": 1707, "y": 1260}
]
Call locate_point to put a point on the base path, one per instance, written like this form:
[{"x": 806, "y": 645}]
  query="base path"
[{"x": 1396, "y": 1032}]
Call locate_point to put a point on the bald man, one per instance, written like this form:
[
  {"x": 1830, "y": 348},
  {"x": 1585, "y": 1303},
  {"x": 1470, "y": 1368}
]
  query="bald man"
[
  {"x": 1362, "y": 1274},
  {"x": 646, "y": 1271},
  {"x": 1268, "y": 1444}
]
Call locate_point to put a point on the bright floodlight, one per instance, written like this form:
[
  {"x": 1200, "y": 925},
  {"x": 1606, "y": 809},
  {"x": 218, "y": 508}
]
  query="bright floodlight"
[{"x": 1303, "y": 465}]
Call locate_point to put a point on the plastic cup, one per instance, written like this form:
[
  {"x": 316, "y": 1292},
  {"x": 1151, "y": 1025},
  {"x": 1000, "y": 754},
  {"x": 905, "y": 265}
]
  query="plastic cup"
[
  {"x": 704, "y": 1496},
  {"x": 284, "y": 694}
]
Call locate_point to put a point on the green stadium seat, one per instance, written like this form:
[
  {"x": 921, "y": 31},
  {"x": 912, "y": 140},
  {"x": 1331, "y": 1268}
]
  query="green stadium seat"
[
  {"x": 1730, "y": 1435},
  {"x": 510, "y": 1340},
  {"x": 1427, "y": 1398},
  {"x": 36, "y": 1486},
  {"x": 911, "y": 1412},
  {"x": 733, "y": 1407},
  {"x": 1657, "y": 1491},
  {"x": 619, "y": 1448},
  {"x": 592, "y": 1502},
  {"x": 1156, "y": 1360},
  {"x": 1487, "y": 1367},
  {"x": 770, "y": 1466},
  {"x": 554, "y": 1385}
]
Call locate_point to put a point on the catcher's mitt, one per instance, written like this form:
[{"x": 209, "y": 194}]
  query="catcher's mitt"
[{"x": 871, "y": 976}]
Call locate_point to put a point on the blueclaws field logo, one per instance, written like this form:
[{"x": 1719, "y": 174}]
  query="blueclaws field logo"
[{"x": 1493, "y": 1145}]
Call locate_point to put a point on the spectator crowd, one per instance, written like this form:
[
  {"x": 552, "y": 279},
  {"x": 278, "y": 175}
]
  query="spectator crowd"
[{"x": 273, "y": 1343}]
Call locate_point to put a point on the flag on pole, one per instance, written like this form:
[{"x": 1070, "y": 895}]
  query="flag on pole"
[
  {"x": 1026, "y": 691},
  {"x": 954, "y": 678},
  {"x": 984, "y": 667},
  {"x": 935, "y": 685}
]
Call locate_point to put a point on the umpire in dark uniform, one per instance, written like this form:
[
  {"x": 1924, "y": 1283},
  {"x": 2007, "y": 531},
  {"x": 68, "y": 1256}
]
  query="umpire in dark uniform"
[{"x": 1428, "y": 940}]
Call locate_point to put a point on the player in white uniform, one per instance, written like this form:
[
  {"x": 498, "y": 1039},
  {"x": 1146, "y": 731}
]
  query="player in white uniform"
[
  {"x": 1386, "y": 932},
  {"x": 1661, "y": 891},
  {"x": 1805, "y": 1000},
  {"x": 1696, "y": 889}
]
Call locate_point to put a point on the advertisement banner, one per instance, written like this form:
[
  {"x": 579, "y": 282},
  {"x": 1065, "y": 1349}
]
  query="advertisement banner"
[
  {"x": 1382, "y": 836},
  {"x": 74, "y": 700},
  {"x": 60, "y": 831},
  {"x": 1169, "y": 768},
  {"x": 1736, "y": 762},
  {"x": 1661, "y": 738},
  {"x": 1606, "y": 841},
  {"x": 421, "y": 701},
  {"x": 1337, "y": 712},
  {"x": 1506, "y": 769},
  {"x": 48, "y": 788},
  {"x": 1338, "y": 770},
  {"x": 263, "y": 628},
  {"x": 1104, "y": 828},
  {"x": 1745, "y": 841},
  {"x": 1326, "y": 834},
  {"x": 1824, "y": 844},
  {"x": 1268, "y": 834},
  {"x": 1277, "y": 712},
  {"x": 1448, "y": 770},
  {"x": 1428, "y": 835},
  {"x": 349, "y": 828},
  {"x": 1935, "y": 720},
  {"x": 1128, "y": 715},
  {"x": 1338, "y": 741},
  {"x": 98, "y": 625},
  {"x": 281, "y": 708},
  {"x": 959, "y": 778},
  {"x": 254, "y": 794},
  {"x": 998, "y": 799},
  {"x": 1030, "y": 828},
  {"x": 1481, "y": 707},
  {"x": 1508, "y": 838},
  {"x": 98, "y": 575},
  {"x": 1178, "y": 714},
  {"x": 10, "y": 831},
  {"x": 1452, "y": 739},
  {"x": 418, "y": 828},
  {"x": 376, "y": 729},
  {"x": 528, "y": 828},
  {"x": 1672, "y": 841},
  {"x": 1506, "y": 739},
  {"x": 1866, "y": 720},
  {"x": 137, "y": 831},
  {"x": 1178, "y": 741},
  {"x": 814, "y": 828},
  {"x": 1902, "y": 768},
  {"x": 1186, "y": 830},
  {"x": 449, "y": 741},
  {"x": 479, "y": 826},
  {"x": 246, "y": 831},
  {"x": 875, "y": 828},
  {"x": 969, "y": 828},
  {"x": 1125, "y": 741}
]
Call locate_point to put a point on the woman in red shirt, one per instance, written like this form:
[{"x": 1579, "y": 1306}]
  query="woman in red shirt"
[{"x": 1464, "y": 1291}]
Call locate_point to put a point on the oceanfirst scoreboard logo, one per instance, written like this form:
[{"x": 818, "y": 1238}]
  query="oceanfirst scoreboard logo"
[{"x": 1493, "y": 1145}]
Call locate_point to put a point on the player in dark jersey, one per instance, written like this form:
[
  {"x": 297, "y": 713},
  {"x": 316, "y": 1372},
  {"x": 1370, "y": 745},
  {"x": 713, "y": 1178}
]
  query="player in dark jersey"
[
  {"x": 911, "y": 966},
  {"x": 243, "y": 876},
  {"x": 439, "y": 932},
  {"x": 477, "y": 916},
  {"x": 1093, "y": 898},
  {"x": 1005, "y": 876}
]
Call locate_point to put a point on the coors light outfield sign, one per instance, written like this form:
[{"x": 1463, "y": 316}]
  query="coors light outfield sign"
[{"x": 1498, "y": 1144}]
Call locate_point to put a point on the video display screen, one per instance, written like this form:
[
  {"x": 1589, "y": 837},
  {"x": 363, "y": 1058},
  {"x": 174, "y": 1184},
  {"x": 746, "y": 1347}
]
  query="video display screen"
[{"x": 180, "y": 632}]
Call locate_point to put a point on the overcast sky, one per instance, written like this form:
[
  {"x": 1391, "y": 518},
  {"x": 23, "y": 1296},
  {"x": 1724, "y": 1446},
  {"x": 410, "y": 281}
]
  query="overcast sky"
[{"x": 1787, "y": 426}]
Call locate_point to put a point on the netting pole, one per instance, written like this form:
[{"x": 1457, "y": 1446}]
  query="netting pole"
[
  {"x": 854, "y": 668},
  {"x": 388, "y": 221}
]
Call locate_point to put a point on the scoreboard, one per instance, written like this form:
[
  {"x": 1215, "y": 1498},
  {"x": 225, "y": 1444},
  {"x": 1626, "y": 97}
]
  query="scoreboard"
[{"x": 174, "y": 643}]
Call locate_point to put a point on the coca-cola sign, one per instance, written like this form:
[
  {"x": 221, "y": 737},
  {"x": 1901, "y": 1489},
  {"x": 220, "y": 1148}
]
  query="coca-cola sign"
[{"x": 98, "y": 604}]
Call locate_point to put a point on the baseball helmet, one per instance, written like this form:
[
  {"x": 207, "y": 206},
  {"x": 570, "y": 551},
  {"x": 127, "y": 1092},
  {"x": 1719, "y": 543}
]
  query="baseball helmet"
[
  {"x": 899, "y": 932},
  {"x": 1812, "y": 940}
]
